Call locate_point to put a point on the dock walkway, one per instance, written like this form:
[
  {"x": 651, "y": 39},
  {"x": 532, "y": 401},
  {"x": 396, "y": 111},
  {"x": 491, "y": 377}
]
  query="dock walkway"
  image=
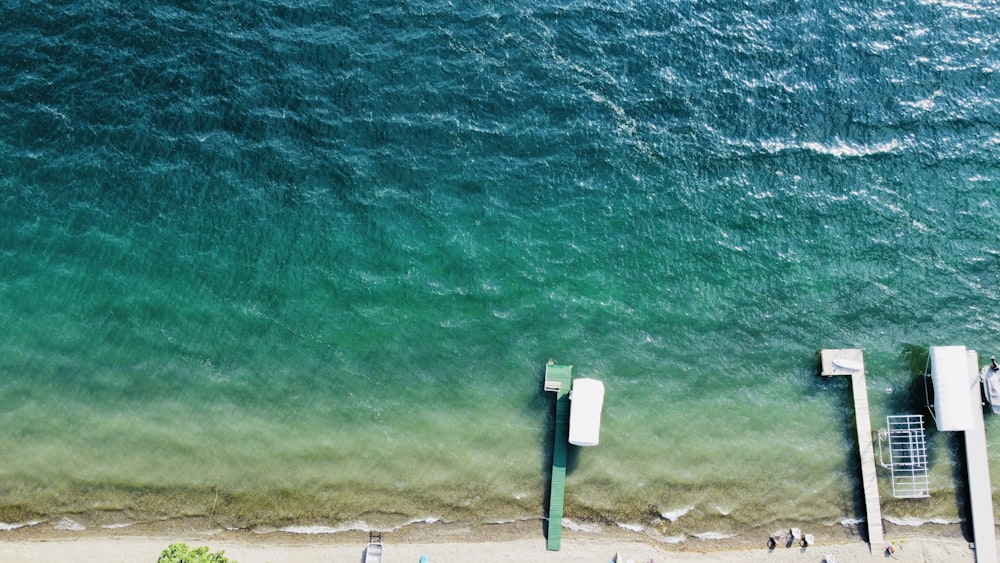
[
  {"x": 851, "y": 362},
  {"x": 558, "y": 380},
  {"x": 980, "y": 493}
]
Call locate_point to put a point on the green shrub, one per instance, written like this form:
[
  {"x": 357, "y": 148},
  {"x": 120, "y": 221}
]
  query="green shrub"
[{"x": 182, "y": 553}]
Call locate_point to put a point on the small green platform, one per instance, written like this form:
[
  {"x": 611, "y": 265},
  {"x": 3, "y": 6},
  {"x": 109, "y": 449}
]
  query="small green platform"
[{"x": 558, "y": 380}]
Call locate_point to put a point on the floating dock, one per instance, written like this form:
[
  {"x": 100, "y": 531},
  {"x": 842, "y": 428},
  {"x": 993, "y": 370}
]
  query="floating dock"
[
  {"x": 558, "y": 380},
  {"x": 980, "y": 493},
  {"x": 850, "y": 361}
]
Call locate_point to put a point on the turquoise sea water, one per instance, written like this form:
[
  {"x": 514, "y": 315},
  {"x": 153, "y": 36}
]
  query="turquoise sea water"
[{"x": 293, "y": 265}]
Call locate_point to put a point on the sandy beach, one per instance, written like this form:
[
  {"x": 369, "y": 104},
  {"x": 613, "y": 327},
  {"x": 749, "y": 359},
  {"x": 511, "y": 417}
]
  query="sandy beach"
[{"x": 129, "y": 549}]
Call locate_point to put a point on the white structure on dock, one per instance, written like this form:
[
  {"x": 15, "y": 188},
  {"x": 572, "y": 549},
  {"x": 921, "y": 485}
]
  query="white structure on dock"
[
  {"x": 957, "y": 406},
  {"x": 586, "y": 403},
  {"x": 850, "y": 362},
  {"x": 949, "y": 372}
]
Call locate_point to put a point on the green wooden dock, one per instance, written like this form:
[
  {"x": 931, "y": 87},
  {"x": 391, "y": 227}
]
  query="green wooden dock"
[{"x": 558, "y": 380}]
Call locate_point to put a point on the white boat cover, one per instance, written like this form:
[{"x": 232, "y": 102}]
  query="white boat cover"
[
  {"x": 991, "y": 378},
  {"x": 952, "y": 388},
  {"x": 586, "y": 403}
]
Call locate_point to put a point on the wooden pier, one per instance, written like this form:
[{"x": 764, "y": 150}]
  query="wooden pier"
[
  {"x": 558, "y": 380},
  {"x": 980, "y": 493},
  {"x": 850, "y": 362}
]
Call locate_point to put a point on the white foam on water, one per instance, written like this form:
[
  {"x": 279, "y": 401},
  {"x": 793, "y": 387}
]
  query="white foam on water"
[
  {"x": 666, "y": 539},
  {"x": 5, "y": 527},
  {"x": 512, "y": 520},
  {"x": 714, "y": 536},
  {"x": 913, "y": 521},
  {"x": 631, "y": 527},
  {"x": 117, "y": 526},
  {"x": 838, "y": 148},
  {"x": 69, "y": 525},
  {"x": 577, "y": 527},
  {"x": 427, "y": 520},
  {"x": 311, "y": 530},
  {"x": 500, "y": 522},
  {"x": 353, "y": 526},
  {"x": 723, "y": 510},
  {"x": 673, "y": 515},
  {"x": 846, "y": 522}
]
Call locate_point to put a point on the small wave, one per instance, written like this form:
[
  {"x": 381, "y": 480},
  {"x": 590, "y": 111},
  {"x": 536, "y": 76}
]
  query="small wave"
[
  {"x": 631, "y": 527},
  {"x": 428, "y": 520},
  {"x": 5, "y": 527},
  {"x": 67, "y": 524},
  {"x": 116, "y": 526},
  {"x": 666, "y": 539},
  {"x": 577, "y": 527},
  {"x": 511, "y": 520},
  {"x": 847, "y": 522},
  {"x": 714, "y": 536},
  {"x": 674, "y": 515},
  {"x": 925, "y": 104},
  {"x": 723, "y": 510},
  {"x": 315, "y": 530},
  {"x": 356, "y": 526},
  {"x": 914, "y": 521},
  {"x": 838, "y": 148}
]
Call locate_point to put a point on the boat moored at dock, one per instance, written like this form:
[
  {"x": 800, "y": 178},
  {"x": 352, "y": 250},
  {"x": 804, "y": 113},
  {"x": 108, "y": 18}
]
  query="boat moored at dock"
[
  {"x": 991, "y": 385},
  {"x": 586, "y": 403}
]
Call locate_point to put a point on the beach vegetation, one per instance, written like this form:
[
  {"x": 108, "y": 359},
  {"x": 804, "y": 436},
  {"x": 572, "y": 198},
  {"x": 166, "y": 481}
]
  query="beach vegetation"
[{"x": 183, "y": 553}]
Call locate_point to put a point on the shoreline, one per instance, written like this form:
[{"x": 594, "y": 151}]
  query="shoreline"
[
  {"x": 576, "y": 548},
  {"x": 518, "y": 541}
]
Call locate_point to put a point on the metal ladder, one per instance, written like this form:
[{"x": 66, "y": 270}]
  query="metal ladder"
[{"x": 373, "y": 554}]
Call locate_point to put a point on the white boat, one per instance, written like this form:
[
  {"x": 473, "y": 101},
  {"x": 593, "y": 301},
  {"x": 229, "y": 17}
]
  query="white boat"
[
  {"x": 991, "y": 383},
  {"x": 586, "y": 400}
]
